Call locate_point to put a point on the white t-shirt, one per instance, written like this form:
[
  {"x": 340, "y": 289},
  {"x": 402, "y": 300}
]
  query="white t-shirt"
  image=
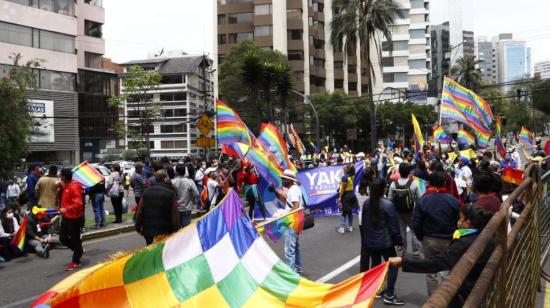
[
  {"x": 294, "y": 195},
  {"x": 211, "y": 185},
  {"x": 13, "y": 191}
]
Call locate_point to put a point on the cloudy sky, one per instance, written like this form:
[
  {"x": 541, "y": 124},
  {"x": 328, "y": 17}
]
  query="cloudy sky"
[{"x": 133, "y": 28}]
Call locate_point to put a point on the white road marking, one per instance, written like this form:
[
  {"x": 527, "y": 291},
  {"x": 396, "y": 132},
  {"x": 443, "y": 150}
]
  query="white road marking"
[{"x": 339, "y": 270}]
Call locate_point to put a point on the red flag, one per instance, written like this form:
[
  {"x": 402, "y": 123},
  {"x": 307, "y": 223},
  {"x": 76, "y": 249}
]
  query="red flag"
[
  {"x": 227, "y": 150},
  {"x": 512, "y": 175}
]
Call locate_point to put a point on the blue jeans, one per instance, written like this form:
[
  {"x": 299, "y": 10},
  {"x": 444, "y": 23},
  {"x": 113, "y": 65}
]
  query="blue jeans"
[
  {"x": 349, "y": 217},
  {"x": 199, "y": 203},
  {"x": 185, "y": 218},
  {"x": 292, "y": 250},
  {"x": 99, "y": 211}
]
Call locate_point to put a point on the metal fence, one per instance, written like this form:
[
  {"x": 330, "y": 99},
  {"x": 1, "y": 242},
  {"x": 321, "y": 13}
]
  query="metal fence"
[{"x": 511, "y": 277}]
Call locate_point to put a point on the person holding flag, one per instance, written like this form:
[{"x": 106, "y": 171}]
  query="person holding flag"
[{"x": 72, "y": 212}]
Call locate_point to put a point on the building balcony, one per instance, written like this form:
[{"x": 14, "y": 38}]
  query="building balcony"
[
  {"x": 37, "y": 18},
  {"x": 396, "y": 53},
  {"x": 294, "y": 24},
  {"x": 263, "y": 20},
  {"x": 398, "y": 37},
  {"x": 319, "y": 16},
  {"x": 318, "y": 53},
  {"x": 417, "y": 71},
  {"x": 296, "y": 65},
  {"x": 235, "y": 8},
  {"x": 293, "y": 4},
  {"x": 53, "y": 60},
  {"x": 295, "y": 44}
]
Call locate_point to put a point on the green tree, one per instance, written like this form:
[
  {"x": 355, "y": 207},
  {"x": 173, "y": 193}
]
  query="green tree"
[
  {"x": 499, "y": 105},
  {"x": 254, "y": 81},
  {"x": 15, "y": 119},
  {"x": 541, "y": 93},
  {"x": 466, "y": 72},
  {"x": 362, "y": 21},
  {"x": 138, "y": 84}
]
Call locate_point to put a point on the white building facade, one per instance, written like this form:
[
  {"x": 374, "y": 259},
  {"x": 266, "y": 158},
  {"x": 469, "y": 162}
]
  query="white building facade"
[
  {"x": 542, "y": 70},
  {"x": 186, "y": 92}
]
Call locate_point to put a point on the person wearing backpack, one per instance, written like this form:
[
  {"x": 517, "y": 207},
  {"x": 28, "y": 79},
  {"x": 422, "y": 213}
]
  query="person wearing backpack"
[
  {"x": 115, "y": 190},
  {"x": 434, "y": 222},
  {"x": 403, "y": 193}
]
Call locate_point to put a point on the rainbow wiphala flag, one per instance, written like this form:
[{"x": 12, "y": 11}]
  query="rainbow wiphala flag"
[
  {"x": 526, "y": 136},
  {"x": 218, "y": 261}
]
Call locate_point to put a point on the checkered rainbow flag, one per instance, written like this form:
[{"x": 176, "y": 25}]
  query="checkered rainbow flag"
[{"x": 219, "y": 261}]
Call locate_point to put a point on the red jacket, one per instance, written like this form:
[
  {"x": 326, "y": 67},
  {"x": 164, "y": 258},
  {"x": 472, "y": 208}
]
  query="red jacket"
[{"x": 71, "y": 199}]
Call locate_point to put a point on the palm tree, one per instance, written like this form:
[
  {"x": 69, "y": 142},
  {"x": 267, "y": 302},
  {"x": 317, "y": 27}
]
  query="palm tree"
[
  {"x": 363, "y": 21},
  {"x": 466, "y": 71}
]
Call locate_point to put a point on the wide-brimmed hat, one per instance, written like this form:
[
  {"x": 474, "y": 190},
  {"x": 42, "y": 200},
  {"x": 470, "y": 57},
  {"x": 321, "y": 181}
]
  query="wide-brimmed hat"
[
  {"x": 360, "y": 155},
  {"x": 209, "y": 170},
  {"x": 289, "y": 175}
]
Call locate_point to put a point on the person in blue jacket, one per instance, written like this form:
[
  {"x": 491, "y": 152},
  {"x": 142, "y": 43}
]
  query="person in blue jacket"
[
  {"x": 380, "y": 235},
  {"x": 32, "y": 178}
]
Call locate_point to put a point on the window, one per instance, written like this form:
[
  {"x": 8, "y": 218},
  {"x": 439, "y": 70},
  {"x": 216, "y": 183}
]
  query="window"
[
  {"x": 387, "y": 62},
  {"x": 296, "y": 34},
  {"x": 235, "y": 38},
  {"x": 171, "y": 79},
  {"x": 339, "y": 83},
  {"x": 352, "y": 69},
  {"x": 417, "y": 64},
  {"x": 417, "y": 4},
  {"x": 311, "y": 60},
  {"x": 352, "y": 86},
  {"x": 401, "y": 77},
  {"x": 318, "y": 62},
  {"x": 98, "y": 3},
  {"x": 173, "y": 144},
  {"x": 417, "y": 34},
  {"x": 222, "y": 39},
  {"x": 56, "y": 81},
  {"x": 65, "y": 7},
  {"x": 338, "y": 65},
  {"x": 92, "y": 29},
  {"x": 263, "y": 9},
  {"x": 263, "y": 31},
  {"x": 239, "y": 18},
  {"x": 310, "y": 20},
  {"x": 170, "y": 97},
  {"x": 388, "y": 77},
  {"x": 172, "y": 128},
  {"x": 319, "y": 44},
  {"x": 15, "y": 34},
  {"x": 180, "y": 112},
  {"x": 397, "y": 46},
  {"x": 221, "y": 19},
  {"x": 92, "y": 60},
  {"x": 56, "y": 41}
]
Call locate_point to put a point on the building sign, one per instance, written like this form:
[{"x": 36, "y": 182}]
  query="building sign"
[
  {"x": 205, "y": 142},
  {"x": 41, "y": 112}
]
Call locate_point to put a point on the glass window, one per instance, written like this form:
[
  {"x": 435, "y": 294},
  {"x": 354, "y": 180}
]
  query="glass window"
[
  {"x": 235, "y": 38},
  {"x": 57, "y": 41},
  {"x": 180, "y": 96},
  {"x": 22, "y": 2},
  {"x": 263, "y": 31},
  {"x": 180, "y": 112},
  {"x": 98, "y": 3},
  {"x": 296, "y": 34},
  {"x": 339, "y": 83},
  {"x": 352, "y": 86},
  {"x": 263, "y": 9},
  {"x": 311, "y": 60},
  {"x": 417, "y": 4},
  {"x": 167, "y": 129},
  {"x": 92, "y": 60},
  {"x": 171, "y": 79},
  {"x": 15, "y": 34},
  {"x": 222, "y": 39},
  {"x": 388, "y": 77},
  {"x": 338, "y": 65},
  {"x": 295, "y": 55},
  {"x": 221, "y": 19},
  {"x": 57, "y": 81},
  {"x": 65, "y": 7},
  {"x": 169, "y": 113},
  {"x": 92, "y": 28},
  {"x": 239, "y": 18},
  {"x": 401, "y": 77},
  {"x": 180, "y": 144},
  {"x": 417, "y": 64},
  {"x": 417, "y": 34}
]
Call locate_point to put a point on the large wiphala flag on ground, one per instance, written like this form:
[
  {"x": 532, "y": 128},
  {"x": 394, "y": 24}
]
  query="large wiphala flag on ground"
[{"x": 218, "y": 261}]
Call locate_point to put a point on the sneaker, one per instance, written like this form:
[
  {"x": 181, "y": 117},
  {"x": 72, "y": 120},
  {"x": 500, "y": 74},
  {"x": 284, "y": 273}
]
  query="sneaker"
[
  {"x": 72, "y": 266},
  {"x": 350, "y": 229},
  {"x": 341, "y": 230},
  {"x": 46, "y": 252},
  {"x": 380, "y": 293},
  {"x": 416, "y": 253},
  {"x": 393, "y": 300}
]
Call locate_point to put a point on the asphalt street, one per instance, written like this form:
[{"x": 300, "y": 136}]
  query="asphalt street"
[{"x": 324, "y": 252}]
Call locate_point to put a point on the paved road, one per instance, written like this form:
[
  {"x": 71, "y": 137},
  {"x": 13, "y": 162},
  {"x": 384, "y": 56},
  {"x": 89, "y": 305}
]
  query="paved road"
[{"x": 323, "y": 251}]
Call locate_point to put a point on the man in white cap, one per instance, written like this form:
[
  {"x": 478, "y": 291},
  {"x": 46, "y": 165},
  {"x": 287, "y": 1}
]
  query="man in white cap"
[{"x": 294, "y": 200}]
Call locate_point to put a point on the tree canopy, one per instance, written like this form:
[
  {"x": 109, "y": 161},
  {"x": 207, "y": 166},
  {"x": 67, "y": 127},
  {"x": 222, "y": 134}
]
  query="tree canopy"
[
  {"x": 15, "y": 119},
  {"x": 467, "y": 72}
]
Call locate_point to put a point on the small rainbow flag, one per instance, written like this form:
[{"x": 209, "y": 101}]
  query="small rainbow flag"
[
  {"x": 42, "y": 212},
  {"x": 418, "y": 139},
  {"x": 230, "y": 127},
  {"x": 526, "y": 136},
  {"x": 314, "y": 147},
  {"x": 464, "y": 137},
  {"x": 18, "y": 241},
  {"x": 87, "y": 175},
  {"x": 271, "y": 140},
  {"x": 498, "y": 138},
  {"x": 483, "y": 138},
  {"x": 266, "y": 166},
  {"x": 422, "y": 185},
  {"x": 275, "y": 229},
  {"x": 440, "y": 135}
]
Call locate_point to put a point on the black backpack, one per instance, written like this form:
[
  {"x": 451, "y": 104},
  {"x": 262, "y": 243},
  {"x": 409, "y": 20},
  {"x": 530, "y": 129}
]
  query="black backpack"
[{"x": 403, "y": 198}]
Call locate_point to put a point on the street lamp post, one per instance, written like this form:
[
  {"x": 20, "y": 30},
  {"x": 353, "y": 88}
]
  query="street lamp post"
[{"x": 308, "y": 102}]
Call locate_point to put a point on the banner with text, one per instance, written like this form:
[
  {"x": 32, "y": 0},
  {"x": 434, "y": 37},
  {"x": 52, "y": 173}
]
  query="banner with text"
[{"x": 319, "y": 187}]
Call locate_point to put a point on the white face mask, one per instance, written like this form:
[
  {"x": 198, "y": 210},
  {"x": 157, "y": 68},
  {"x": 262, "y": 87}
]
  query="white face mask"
[{"x": 9, "y": 215}]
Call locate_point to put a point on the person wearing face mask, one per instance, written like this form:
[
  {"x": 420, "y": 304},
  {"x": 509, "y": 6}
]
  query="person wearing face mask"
[
  {"x": 472, "y": 221},
  {"x": 199, "y": 177},
  {"x": 8, "y": 228}
]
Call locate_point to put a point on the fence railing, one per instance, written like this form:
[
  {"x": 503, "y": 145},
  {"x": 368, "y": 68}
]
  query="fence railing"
[{"x": 511, "y": 276}]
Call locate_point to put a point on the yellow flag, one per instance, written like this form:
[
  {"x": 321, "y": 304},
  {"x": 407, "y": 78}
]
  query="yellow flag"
[{"x": 419, "y": 140}]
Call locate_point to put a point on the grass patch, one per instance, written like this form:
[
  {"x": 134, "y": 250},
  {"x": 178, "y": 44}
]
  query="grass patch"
[{"x": 90, "y": 222}]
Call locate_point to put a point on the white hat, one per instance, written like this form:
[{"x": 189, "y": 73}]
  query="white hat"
[
  {"x": 289, "y": 175},
  {"x": 361, "y": 155},
  {"x": 211, "y": 169}
]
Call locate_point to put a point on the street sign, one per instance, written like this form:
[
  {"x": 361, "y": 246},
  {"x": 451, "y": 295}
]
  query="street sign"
[
  {"x": 205, "y": 125},
  {"x": 352, "y": 133},
  {"x": 205, "y": 142}
]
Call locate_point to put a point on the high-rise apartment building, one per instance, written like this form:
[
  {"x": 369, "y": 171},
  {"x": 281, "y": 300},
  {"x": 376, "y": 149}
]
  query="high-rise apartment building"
[
  {"x": 69, "y": 103},
  {"x": 542, "y": 70},
  {"x": 406, "y": 63},
  {"x": 185, "y": 92},
  {"x": 487, "y": 53}
]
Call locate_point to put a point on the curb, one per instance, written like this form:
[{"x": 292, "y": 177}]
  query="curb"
[{"x": 123, "y": 229}]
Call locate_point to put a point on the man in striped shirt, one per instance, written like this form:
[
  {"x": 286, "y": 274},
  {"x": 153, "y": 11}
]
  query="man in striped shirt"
[{"x": 138, "y": 182}]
